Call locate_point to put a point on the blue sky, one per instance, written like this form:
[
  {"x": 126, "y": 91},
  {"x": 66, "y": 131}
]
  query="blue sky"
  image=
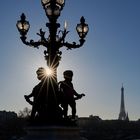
[{"x": 109, "y": 57}]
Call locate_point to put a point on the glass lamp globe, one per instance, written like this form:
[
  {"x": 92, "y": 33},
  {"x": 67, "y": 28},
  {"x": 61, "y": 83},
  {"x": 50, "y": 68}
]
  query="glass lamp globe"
[
  {"x": 82, "y": 28},
  {"x": 53, "y": 7},
  {"x": 23, "y": 25}
]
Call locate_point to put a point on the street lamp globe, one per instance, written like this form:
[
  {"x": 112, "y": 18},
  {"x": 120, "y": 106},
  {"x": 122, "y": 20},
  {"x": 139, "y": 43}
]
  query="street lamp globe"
[
  {"x": 23, "y": 25},
  {"x": 53, "y": 7},
  {"x": 82, "y": 28},
  {"x": 60, "y": 3}
]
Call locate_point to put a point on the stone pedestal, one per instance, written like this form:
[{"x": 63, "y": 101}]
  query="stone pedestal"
[{"x": 52, "y": 133}]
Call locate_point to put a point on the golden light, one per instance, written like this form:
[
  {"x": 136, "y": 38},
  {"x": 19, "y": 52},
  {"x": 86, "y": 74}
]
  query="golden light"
[{"x": 49, "y": 72}]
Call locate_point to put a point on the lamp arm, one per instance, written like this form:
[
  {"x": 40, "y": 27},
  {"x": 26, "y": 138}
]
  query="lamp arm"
[
  {"x": 74, "y": 45},
  {"x": 33, "y": 43}
]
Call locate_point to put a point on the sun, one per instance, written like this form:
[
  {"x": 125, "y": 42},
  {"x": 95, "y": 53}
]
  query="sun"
[{"x": 49, "y": 72}]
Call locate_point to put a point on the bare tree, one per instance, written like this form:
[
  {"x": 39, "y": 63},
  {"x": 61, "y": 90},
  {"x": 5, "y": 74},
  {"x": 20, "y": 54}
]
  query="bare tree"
[{"x": 25, "y": 113}]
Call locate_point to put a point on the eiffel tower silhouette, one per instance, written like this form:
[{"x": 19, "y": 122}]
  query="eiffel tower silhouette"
[{"x": 122, "y": 114}]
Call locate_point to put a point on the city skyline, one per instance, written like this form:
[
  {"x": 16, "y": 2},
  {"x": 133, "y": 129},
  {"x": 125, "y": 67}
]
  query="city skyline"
[{"x": 109, "y": 57}]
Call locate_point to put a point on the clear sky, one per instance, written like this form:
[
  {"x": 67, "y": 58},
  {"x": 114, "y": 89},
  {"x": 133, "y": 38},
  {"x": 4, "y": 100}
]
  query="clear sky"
[{"x": 109, "y": 57}]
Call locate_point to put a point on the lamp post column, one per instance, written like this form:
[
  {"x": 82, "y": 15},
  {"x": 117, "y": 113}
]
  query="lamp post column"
[{"x": 52, "y": 57}]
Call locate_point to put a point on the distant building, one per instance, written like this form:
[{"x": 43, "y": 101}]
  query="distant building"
[
  {"x": 4, "y": 115},
  {"x": 123, "y": 115},
  {"x": 83, "y": 121}
]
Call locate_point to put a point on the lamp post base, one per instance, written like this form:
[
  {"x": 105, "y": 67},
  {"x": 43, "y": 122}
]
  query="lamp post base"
[{"x": 53, "y": 133}]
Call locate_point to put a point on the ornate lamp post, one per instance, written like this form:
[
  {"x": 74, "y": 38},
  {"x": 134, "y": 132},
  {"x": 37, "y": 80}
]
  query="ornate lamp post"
[{"x": 54, "y": 41}]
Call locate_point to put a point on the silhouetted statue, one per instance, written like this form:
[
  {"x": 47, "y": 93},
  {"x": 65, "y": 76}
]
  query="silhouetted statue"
[
  {"x": 45, "y": 106},
  {"x": 50, "y": 109},
  {"x": 38, "y": 93},
  {"x": 68, "y": 94}
]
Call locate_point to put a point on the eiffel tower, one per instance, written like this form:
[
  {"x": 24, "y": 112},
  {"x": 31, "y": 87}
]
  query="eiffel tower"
[{"x": 122, "y": 114}]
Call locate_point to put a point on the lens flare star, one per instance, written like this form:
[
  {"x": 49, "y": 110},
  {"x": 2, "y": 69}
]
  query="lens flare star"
[{"x": 49, "y": 72}]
